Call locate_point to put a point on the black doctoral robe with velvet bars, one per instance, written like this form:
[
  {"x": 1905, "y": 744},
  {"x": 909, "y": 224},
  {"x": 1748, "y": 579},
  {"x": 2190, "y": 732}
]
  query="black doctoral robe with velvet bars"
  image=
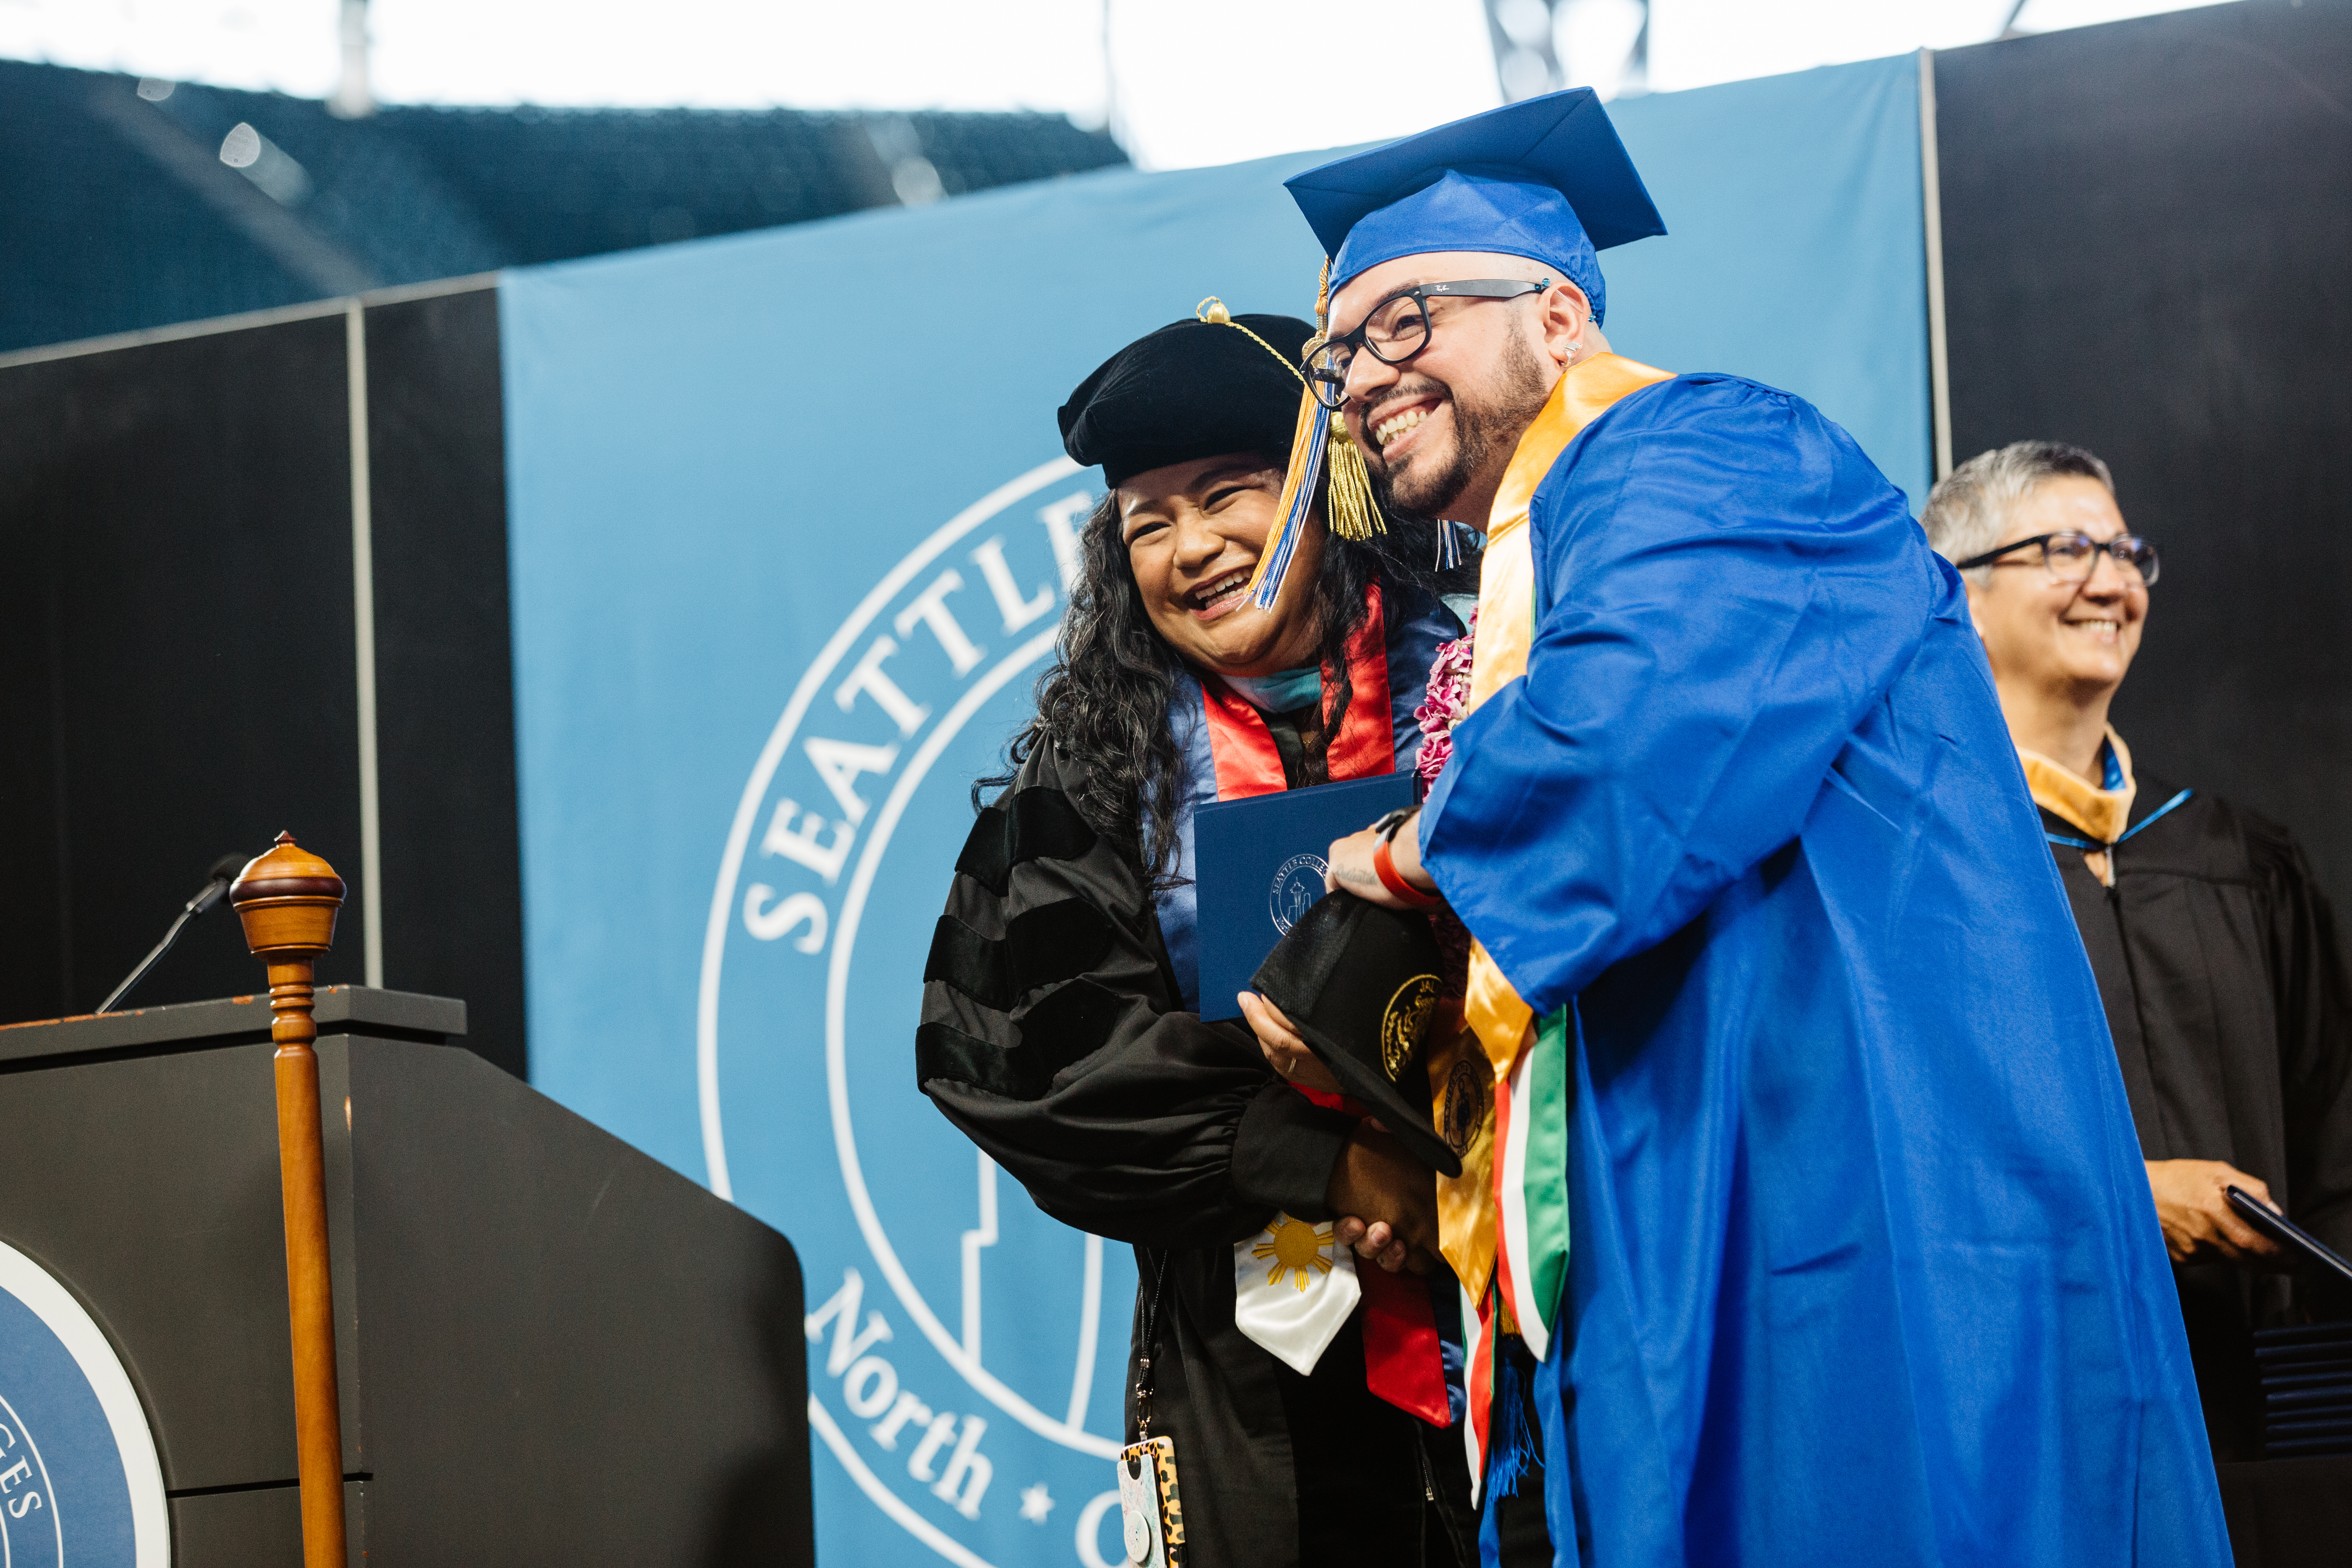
[
  {"x": 1054, "y": 1037},
  {"x": 2225, "y": 984}
]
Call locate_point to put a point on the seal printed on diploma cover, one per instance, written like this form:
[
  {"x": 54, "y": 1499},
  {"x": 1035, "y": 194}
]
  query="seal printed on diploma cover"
[{"x": 1296, "y": 885}]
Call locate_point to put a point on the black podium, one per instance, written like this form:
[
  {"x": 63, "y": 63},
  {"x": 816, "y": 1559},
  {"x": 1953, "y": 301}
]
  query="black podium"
[{"x": 553, "y": 1349}]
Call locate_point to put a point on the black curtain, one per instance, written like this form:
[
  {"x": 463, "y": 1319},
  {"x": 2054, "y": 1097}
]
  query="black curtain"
[
  {"x": 176, "y": 597},
  {"x": 177, "y": 633},
  {"x": 2148, "y": 251}
]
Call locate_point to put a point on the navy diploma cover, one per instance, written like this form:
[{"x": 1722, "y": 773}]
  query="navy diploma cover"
[{"x": 1260, "y": 862}]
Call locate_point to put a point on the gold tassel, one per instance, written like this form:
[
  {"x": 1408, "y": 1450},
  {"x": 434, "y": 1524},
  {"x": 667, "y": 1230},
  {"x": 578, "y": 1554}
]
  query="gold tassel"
[
  {"x": 1319, "y": 438},
  {"x": 1350, "y": 507}
]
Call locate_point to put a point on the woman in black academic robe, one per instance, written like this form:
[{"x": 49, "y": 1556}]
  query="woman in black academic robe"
[{"x": 1061, "y": 1022}]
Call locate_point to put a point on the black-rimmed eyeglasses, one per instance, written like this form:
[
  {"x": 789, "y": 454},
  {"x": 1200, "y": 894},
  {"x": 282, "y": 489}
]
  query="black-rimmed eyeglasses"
[
  {"x": 2072, "y": 557},
  {"x": 1398, "y": 328}
]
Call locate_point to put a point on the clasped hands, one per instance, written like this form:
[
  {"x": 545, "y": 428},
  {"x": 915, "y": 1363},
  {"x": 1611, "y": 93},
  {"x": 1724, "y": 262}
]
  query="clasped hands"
[{"x": 1386, "y": 1199}]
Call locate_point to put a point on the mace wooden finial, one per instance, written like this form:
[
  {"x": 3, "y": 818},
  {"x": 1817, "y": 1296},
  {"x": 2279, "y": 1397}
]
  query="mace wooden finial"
[{"x": 287, "y": 899}]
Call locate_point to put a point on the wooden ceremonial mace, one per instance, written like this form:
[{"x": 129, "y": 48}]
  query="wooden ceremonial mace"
[{"x": 287, "y": 899}]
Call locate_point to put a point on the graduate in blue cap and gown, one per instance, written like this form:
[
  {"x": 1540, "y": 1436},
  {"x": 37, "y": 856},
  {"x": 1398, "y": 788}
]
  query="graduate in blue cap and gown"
[{"x": 1803, "y": 1170}]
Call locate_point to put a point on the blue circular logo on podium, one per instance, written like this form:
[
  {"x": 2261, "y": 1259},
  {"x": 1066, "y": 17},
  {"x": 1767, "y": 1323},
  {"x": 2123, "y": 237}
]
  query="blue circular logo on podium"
[{"x": 79, "y": 1483}]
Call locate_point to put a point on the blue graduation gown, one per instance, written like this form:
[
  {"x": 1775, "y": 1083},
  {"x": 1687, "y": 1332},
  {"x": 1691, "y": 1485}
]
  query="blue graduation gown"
[{"x": 1864, "y": 1266}]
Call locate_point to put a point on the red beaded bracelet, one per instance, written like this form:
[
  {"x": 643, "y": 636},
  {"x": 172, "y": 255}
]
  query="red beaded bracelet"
[{"x": 1384, "y": 865}]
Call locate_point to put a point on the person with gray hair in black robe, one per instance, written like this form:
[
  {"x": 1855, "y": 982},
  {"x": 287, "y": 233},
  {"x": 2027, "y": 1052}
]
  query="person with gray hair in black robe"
[{"x": 2217, "y": 953}]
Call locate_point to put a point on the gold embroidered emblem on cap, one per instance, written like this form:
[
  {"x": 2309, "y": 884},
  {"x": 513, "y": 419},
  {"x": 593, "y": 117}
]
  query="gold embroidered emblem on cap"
[{"x": 1402, "y": 1021}]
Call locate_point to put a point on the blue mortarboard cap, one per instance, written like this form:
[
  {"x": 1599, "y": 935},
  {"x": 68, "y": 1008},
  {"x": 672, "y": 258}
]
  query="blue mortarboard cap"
[{"x": 1547, "y": 179}]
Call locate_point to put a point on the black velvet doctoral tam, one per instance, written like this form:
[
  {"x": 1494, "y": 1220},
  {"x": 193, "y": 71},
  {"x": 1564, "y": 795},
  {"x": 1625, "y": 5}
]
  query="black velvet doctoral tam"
[{"x": 1192, "y": 389}]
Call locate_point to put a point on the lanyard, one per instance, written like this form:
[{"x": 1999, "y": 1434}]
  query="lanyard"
[
  {"x": 1151, "y": 1349},
  {"x": 2072, "y": 843}
]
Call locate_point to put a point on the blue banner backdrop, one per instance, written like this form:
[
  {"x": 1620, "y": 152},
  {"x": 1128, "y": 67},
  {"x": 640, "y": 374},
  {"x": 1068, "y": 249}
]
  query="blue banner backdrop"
[{"x": 790, "y": 532}]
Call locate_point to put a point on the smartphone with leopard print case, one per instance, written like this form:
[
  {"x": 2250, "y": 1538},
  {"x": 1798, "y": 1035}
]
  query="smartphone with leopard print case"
[{"x": 1149, "y": 1507}]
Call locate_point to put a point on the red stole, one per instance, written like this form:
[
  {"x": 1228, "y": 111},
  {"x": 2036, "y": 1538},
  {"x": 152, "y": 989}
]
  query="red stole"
[
  {"x": 1402, "y": 1360},
  {"x": 1243, "y": 748}
]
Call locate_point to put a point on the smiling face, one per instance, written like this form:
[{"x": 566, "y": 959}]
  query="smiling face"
[
  {"x": 2069, "y": 641},
  {"x": 1439, "y": 430},
  {"x": 1194, "y": 532}
]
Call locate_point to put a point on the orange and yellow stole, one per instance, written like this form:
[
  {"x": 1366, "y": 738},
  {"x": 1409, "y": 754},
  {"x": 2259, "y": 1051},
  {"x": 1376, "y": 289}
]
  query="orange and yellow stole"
[{"x": 1495, "y": 1024}]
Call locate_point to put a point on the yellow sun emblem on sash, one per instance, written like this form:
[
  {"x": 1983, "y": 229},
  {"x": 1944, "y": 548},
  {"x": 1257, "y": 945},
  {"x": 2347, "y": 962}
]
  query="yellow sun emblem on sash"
[{"x": 1295, "y": 1243}]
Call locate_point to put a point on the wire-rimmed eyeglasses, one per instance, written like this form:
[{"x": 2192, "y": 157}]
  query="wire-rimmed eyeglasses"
[
  {"x": 1398, "y": 329},
  {"x": 2072, "y": 557}
]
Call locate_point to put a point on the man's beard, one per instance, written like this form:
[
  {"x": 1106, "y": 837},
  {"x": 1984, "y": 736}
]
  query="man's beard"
[{"x": 1487, "y": 430}]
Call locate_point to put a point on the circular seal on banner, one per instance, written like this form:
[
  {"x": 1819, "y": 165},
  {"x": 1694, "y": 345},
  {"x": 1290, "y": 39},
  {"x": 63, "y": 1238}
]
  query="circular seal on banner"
[
  {"x": 1467, "y": 1094},
  {"x": 1402, "y": 1020},
  {"x": 1297, "y": 883},
  {"x": 965, "y": 1370},
  {"x": 80, "y": 1482}
]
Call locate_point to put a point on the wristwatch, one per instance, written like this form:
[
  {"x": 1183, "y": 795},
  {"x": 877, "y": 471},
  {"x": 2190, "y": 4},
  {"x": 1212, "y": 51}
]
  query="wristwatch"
[{"x": 1384, "y": 861}]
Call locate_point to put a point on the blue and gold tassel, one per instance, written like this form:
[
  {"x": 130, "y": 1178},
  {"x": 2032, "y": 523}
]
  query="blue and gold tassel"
[{"x": 1349, "y": 508}]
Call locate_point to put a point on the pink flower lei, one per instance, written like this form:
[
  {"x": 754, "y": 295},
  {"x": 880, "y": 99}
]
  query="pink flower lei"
[{"x": 1449, "y": 690}]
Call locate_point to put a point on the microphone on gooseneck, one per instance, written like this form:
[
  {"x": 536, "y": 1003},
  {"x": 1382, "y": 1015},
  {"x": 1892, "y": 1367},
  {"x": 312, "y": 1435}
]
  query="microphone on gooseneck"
[
  {"x": 216, "y": 882},
  {"x": 216, "y": 885}
]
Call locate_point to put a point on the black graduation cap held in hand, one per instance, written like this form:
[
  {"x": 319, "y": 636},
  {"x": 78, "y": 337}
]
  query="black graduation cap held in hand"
[{"x": 1359, "y": 982}]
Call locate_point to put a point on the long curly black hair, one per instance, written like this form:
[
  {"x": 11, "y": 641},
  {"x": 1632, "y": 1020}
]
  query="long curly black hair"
[{"x": 1104, "y": 703}]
